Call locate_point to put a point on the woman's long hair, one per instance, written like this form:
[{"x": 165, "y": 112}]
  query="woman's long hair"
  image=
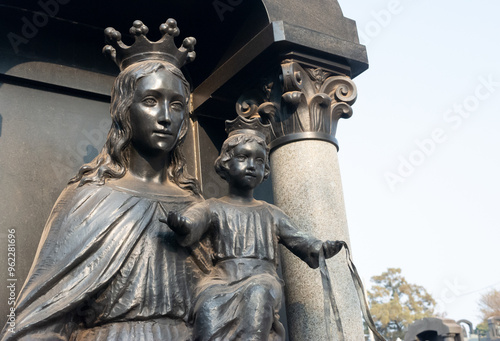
[{"x": 113, "y": 160}]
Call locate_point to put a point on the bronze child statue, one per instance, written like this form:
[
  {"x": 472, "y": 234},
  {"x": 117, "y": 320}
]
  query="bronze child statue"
[{"x": 241, "y": 296}]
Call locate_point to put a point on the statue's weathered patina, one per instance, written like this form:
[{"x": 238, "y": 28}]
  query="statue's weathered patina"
[
  {"x": 106, "y": 267},
  {"x": 55, "y": 95},
  {"x": 241, "y": 296}
]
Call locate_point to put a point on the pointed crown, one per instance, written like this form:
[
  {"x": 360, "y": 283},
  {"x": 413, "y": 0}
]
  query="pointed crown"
[
  {"x": 144, "y": 49},
  {"x": 253, "y": 126}
]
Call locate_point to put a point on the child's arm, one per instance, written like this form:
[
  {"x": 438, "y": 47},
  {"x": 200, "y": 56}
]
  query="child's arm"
[
  {"x": 178, "y": 223},
  {"x": 191, "y": 225},
  {"x": 304, "y": 245}
]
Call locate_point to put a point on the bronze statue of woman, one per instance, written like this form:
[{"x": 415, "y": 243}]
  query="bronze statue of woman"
[{"x": 106, "y": 268}]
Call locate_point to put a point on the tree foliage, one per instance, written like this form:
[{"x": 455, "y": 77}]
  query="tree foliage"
[
  {"x": 489, "y": 304},
  {"x": 482, "y": 329},
  {"x": 395, "y": 303}
]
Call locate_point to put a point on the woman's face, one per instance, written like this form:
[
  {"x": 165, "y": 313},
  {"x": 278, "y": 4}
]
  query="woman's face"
[{"x": 157, "y": 112}]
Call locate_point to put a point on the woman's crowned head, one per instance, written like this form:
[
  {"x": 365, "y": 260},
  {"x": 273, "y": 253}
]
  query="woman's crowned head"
[{"x": 113, "y": 160}]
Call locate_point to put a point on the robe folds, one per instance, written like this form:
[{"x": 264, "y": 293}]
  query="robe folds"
[{"x": 107, "y": 268}]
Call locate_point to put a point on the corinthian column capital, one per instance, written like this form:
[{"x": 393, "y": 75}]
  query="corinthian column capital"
[{"x": 301, "y": 102}]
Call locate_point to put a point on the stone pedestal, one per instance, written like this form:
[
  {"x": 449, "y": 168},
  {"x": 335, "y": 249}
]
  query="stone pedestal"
[{"x": 307, "y": 186}]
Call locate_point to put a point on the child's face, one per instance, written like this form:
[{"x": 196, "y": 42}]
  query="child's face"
[{"x": 247, "y": 166}]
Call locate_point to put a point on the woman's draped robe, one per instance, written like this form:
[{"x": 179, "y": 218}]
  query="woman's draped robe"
[{"x": 107, "y": 269}]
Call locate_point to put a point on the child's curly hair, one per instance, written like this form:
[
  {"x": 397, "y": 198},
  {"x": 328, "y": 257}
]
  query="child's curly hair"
[{"x": 227, "y": 153}]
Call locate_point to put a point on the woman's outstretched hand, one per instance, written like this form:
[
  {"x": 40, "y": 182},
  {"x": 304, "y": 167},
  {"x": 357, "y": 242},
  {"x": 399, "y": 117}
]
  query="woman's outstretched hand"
[{"x": 331, "y": 248}]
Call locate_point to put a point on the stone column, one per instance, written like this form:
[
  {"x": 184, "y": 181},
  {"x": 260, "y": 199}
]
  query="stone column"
[{"x": 307, "y": 186}]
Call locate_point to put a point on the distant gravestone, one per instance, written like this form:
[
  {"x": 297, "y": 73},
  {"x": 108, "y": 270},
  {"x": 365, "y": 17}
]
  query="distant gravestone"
[
  {"x": 434, "y": 329},
  {"x": 494, "y": 327}
]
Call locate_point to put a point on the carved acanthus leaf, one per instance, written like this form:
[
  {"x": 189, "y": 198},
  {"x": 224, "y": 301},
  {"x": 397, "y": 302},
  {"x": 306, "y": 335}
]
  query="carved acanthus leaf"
[
  {"x": 293, "y": 97},
  {"x": 318, "y": 106},
  {"x": 341, "y": 110},
  {"x": 267, "y": 111},
  {"x": 257, "y": 102}
]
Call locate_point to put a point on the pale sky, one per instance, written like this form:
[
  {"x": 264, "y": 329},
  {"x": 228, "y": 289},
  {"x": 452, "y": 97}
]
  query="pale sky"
[{"x": 419, "y": 157}]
